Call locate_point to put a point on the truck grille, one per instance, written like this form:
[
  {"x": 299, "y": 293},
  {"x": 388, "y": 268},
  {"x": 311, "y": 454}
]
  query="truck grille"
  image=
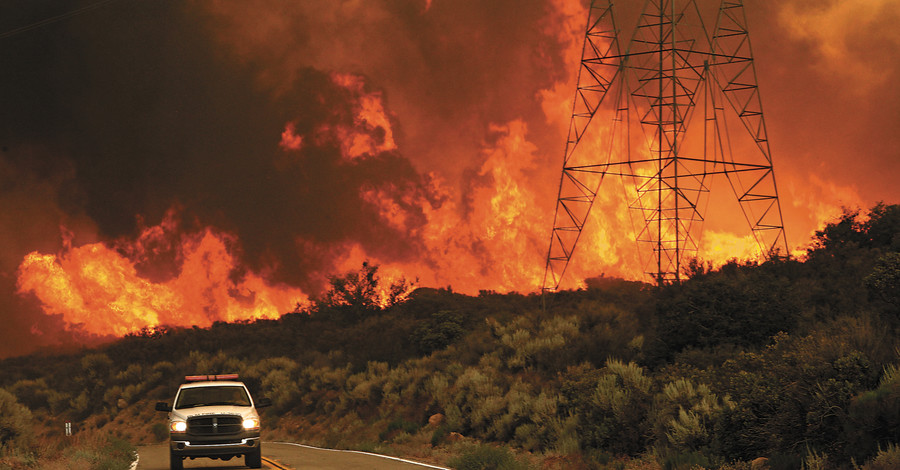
[{"x": 214, "y": 425}]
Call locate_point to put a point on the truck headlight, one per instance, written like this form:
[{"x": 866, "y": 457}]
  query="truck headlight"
[
  {"x": 178, "y": 426},
  {"x": 251, "y": 423}
]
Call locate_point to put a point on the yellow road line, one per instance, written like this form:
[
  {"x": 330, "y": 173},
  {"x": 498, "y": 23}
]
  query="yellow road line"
[
  {"x": 382, "y": 456},
  {"x": 275, "y": 464}
]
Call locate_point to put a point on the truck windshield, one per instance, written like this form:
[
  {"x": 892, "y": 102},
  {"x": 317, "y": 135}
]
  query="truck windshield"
[{"x": 212, "y": 396}]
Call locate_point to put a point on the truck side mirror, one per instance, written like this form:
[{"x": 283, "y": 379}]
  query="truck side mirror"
[
  {"x": 163, "y": 406},
  {"x": 263, "y": 402}
]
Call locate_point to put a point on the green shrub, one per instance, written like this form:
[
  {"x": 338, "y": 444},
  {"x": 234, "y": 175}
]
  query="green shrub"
[
  {"x": 485, "y": 457},
  {"x": 614, "y": 417},
  {"x": 276, "y": 378},
  {"x": 198, "y": 362},
  {"x": 94, "y": 450},
  {"x": 684, "y": 416},
  {"x": 438, "y": 332},
  {"x": 366, "y": 389},
  {"x": 597, "y": 458},
  {"x": 771, "y": 415},
  {"x": 405, "y": 385},
  {"x": 566, "y": 440},
  {"x": 884, "y": 282},
  {"x": 741, "y": 304},
  {"x": 94, "y": 382},
  {"x": 483, "y": 402},
  {"x": 34, "y": 394},
  {"x": 159, "y": 431},
  {"x": 685, "y": 461},
  {"x": 15, "y": 424},
  {"x": 739, "y": 465},
  {"x": 885, "y": 459},
  {"x": 395, "y": 426},
  {"x": 116, "y": 454},
  {"x": 522, "y": 349},
  {"x": 874, "y": 417},
  {"x": 439, "y": 435},
  {"x": 815, "y": 460},
  {"x": 785, "y": 461}
]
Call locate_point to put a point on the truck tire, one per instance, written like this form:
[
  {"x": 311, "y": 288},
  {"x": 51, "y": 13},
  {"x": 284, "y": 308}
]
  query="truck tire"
[
  {"x": 254, "y": 459},
  {"x": 175, "y": 461}
]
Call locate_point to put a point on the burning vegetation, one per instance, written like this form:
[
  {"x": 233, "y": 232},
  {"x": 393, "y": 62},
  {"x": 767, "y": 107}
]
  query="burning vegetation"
[{"x": 99, "y": 290}]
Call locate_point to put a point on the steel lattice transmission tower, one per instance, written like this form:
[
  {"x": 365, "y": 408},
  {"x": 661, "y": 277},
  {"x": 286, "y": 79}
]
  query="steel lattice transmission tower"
[{"x": 666, "y": 112}]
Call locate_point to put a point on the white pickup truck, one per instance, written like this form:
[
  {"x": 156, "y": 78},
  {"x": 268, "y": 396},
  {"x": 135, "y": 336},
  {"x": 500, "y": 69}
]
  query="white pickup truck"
[{"x": 214, "y": 416}]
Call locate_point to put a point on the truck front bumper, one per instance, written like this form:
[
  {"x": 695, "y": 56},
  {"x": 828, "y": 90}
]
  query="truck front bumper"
[{"x": 186, "y": 448}]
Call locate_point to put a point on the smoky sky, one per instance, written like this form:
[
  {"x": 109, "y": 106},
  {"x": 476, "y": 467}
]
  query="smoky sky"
[
  {"x": 146, "y": 112},
  {"x": 112, "y": 116}
]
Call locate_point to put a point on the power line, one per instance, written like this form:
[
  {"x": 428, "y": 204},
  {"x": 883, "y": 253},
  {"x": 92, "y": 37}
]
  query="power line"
[{"x": 54, "y": 19}]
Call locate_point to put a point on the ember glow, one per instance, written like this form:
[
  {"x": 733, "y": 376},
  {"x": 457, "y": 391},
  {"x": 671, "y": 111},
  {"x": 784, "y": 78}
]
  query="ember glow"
[
  {"x": 264, "y": 146},
  {"x": 370, "y": 132}
]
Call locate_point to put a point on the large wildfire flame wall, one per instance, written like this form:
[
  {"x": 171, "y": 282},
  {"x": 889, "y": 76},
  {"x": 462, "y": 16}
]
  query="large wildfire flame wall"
[{"x": 98, "y": 290}]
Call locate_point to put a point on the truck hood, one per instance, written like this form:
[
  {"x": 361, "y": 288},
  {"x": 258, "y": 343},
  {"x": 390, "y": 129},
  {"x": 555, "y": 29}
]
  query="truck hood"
[{"x": 243, "y": 411}]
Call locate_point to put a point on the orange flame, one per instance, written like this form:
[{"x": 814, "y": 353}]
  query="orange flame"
[
  {"x": 494, "y": 241},
  {"x": 100, "y": 290}
]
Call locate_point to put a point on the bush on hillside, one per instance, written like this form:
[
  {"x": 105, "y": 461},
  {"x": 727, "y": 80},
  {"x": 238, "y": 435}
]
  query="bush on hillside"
[
  {"x": 774, "y": 415},
  {"x": 438, "y": 331},
  {"x": 684, "y": 417},
  {"x": 15, "y": 425},
  {"x": 873, "y": 417},
  {"x": 485, "y": 457},
  {"x": 611, "y": 404},
  {"x": 886, "y": 459},
  {"x": 740, "y": 304}
]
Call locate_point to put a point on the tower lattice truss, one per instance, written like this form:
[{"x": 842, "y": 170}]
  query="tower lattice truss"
[{"x": 666, "y": 113}]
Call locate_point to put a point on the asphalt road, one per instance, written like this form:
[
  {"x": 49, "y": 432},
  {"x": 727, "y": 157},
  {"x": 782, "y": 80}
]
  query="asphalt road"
[{"x": 293, "y": 456}]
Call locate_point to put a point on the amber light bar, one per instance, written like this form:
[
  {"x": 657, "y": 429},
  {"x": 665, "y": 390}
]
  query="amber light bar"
[{"x": 201, "y": 378}]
